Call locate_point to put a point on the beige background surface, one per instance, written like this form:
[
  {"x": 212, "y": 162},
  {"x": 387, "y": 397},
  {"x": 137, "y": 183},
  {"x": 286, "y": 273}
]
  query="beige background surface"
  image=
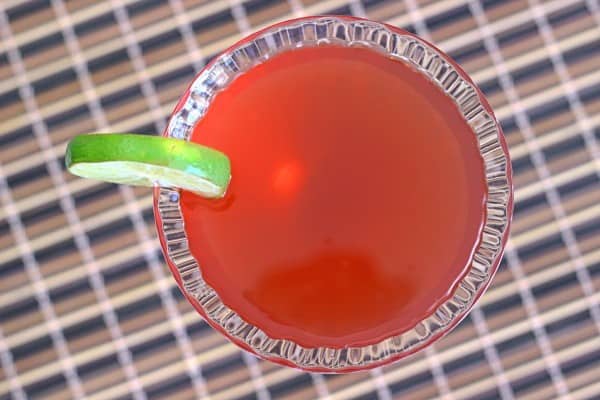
[{"x": 88, "y": 308}]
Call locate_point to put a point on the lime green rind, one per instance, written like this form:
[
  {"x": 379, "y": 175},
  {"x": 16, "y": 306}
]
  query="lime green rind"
[{"x": 148, "y": 161}]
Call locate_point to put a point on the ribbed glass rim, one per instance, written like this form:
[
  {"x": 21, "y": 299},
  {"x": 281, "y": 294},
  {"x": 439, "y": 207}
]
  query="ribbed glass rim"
[{"x": 398, "y": 45}]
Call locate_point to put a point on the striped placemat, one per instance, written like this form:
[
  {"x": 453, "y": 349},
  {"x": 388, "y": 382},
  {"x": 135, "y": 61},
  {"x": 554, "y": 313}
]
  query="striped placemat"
[{"x": 88, "y": 308}]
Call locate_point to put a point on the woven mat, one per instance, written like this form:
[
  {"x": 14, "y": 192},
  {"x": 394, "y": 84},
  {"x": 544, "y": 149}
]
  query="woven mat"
[{"x": 88, "y": 308}]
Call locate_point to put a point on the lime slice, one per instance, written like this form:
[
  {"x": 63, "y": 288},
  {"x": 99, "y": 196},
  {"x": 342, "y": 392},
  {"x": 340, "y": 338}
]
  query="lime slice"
[{"x": 141, "y": 160}]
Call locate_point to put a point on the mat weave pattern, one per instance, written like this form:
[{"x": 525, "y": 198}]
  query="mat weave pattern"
[{"x": 88, "y": 308}]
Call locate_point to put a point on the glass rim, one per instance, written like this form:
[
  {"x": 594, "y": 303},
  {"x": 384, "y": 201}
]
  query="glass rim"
[{"x": 434, "y": 65}]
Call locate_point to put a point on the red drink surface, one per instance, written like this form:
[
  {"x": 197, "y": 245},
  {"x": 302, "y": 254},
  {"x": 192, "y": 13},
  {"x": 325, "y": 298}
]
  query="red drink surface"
[{"x": 356, "y": 200}]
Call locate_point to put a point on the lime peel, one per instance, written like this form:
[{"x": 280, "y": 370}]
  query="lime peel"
[{"x": 143, "y": 160}]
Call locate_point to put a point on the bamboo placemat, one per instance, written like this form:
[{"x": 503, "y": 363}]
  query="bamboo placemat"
[{"x": 88, "y": 308}]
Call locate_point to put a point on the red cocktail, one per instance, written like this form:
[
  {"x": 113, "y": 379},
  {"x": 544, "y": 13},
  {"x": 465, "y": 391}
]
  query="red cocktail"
[{"x": 370, "y": 195}]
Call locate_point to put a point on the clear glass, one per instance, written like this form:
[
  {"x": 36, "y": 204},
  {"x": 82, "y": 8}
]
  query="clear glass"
[{"x": 399, "y": 45}]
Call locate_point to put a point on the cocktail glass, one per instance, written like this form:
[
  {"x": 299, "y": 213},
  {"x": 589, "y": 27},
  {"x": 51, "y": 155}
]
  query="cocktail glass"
[{"x": 406, "y": 48}]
